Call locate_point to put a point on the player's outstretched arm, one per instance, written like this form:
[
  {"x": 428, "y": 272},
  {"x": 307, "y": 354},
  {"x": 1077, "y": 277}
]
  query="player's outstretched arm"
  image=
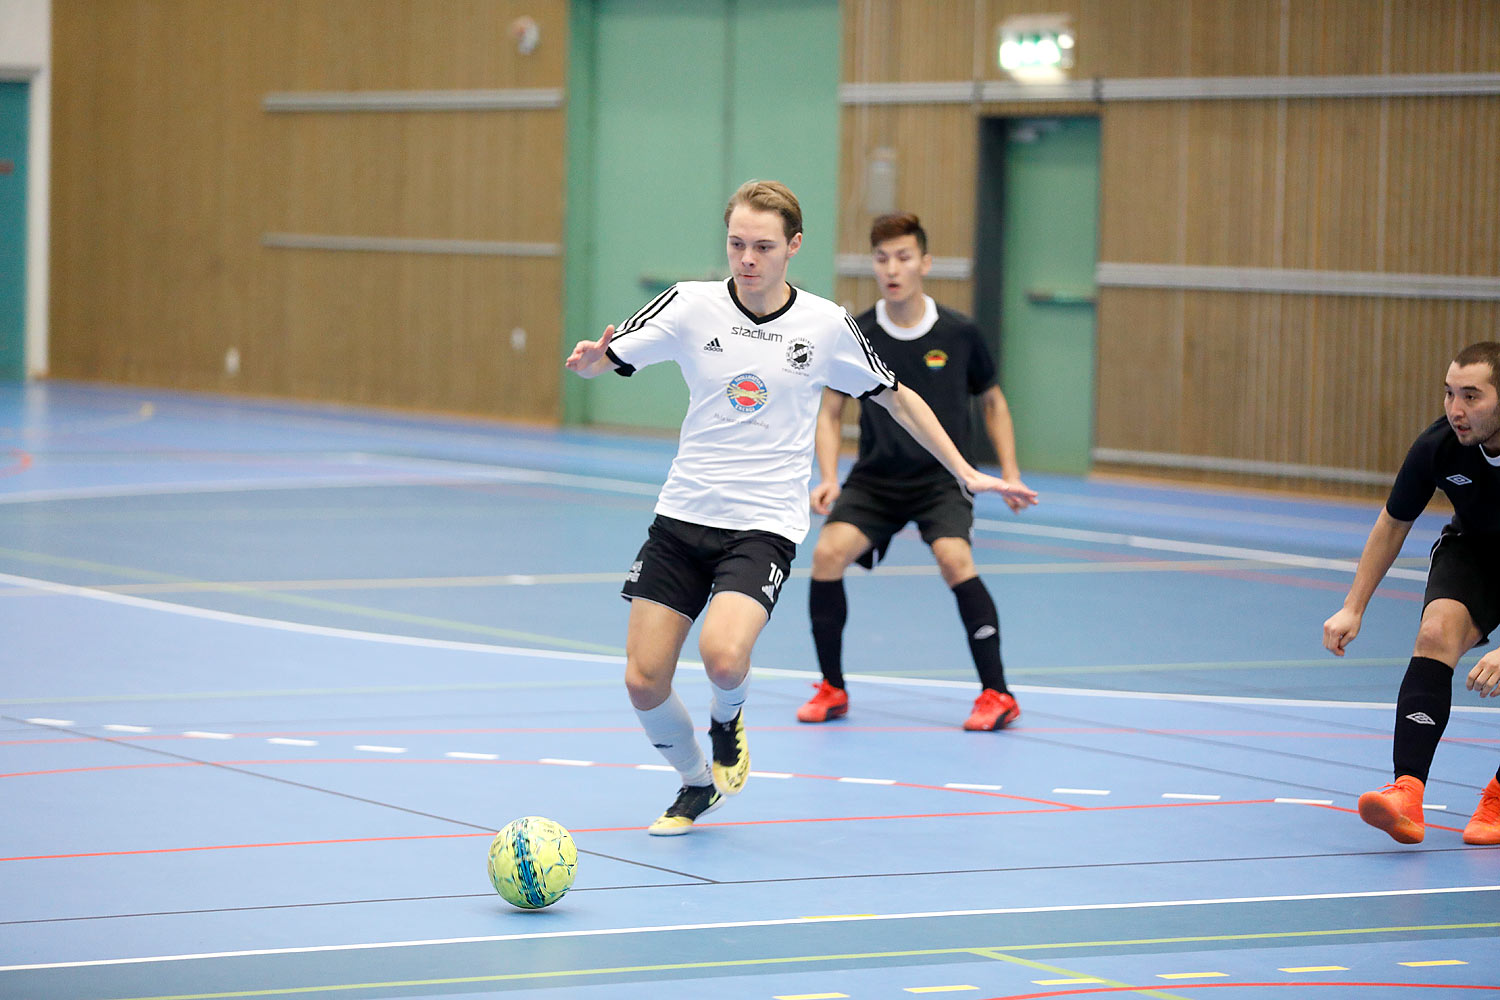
[
  {"x": 589, "y": 358},
  {"x": 828, "y": 437},
  {"x": 1002, "y": 434},
  {"x": 913, "y": 414},
  {"x": 1381, "y": 549}
]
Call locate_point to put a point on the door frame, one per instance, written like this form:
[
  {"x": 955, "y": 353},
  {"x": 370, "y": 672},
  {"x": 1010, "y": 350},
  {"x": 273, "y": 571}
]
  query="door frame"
[{"x": 38, "y": 145}]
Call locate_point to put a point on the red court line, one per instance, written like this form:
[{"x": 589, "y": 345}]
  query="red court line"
[
  {"x": 21, "y": 464},
  {"x": 1175, "y": 987},
  {"x": 606, "y": 829}
]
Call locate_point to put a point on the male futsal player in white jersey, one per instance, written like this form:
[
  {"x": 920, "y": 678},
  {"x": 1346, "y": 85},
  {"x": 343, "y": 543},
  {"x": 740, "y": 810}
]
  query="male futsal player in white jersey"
[{"x": 755, "y": 353}]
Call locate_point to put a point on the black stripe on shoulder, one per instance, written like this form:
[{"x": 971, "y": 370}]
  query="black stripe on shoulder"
[
  {"x": 871, "y": 358},
  {"x": 647, "y": 312}
]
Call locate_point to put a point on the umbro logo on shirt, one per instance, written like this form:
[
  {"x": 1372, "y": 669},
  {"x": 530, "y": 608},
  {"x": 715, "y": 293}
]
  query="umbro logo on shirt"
[
  {"x": 713, "y": 345},
  {"x": 1421, "y": 719},
  {"x": 1460, "y": 480}
]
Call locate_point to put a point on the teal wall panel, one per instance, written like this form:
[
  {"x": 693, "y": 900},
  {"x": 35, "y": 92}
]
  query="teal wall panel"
[
  {"x": 14, "y": 115},
  {"x": 671, "y": 106}
]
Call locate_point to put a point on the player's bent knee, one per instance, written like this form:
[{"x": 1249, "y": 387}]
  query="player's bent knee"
[{"x": 647, "y": 689}]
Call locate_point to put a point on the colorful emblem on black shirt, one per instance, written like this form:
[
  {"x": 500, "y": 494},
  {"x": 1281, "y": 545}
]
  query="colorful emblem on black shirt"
[{"x": 935, "y": 358}]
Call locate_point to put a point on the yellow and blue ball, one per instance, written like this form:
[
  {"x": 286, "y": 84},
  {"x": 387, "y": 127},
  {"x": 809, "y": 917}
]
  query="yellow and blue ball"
[{"x": 532, "y": 862}]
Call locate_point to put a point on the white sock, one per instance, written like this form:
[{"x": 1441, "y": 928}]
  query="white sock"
[
  {"x": 669, "y": 727},
  {"x": 728, "y": 701}
]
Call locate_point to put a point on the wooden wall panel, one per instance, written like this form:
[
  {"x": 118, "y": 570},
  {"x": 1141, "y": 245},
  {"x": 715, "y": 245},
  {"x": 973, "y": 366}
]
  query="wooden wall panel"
[
  {"x": 1403, "y": 185},
  {"x": 168, "y": 172}
]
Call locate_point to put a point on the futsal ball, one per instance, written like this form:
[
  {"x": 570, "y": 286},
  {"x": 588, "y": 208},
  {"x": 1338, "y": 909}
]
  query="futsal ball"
[{"x": 532, "y": 862}]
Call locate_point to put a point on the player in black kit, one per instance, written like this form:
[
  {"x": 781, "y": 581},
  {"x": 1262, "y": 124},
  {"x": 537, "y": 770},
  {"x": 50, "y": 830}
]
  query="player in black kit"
[
  {"x": 1459, "y": 454},
  {"x": 895, "y": 481}
]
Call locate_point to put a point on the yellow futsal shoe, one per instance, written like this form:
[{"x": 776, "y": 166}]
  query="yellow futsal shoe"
[
  {"x": 731, "y": 763},
  {"x": 692, "y": 801},
  {"x": 1484, "y": 828},
  {"x": 1396, "y": 809}
]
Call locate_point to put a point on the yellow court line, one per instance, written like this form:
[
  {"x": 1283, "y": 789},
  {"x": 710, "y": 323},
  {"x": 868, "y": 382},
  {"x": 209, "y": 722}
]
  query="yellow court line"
[
  {"x": 993, "y": 952},
  {"x": 810, "y": 996},
  {"x": 1192, "y": 975},
  {"x": 1426, "y": 965},
  {"x": 1316, "y": 968},
  {"x": 1041, "y": 967},
  {"x": 939, "y": 989}
]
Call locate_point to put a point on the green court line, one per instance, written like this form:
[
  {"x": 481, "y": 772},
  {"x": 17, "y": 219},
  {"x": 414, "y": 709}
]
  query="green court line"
[
  {"x": 1074, "y": 974},
  {"x": 992, "y": 952},
  {"x": 379, "y": 614},
  {"x": 1123, "y": 668}
]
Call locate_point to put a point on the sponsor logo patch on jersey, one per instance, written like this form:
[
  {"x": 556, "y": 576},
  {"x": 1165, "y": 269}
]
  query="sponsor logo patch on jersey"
[
  {"x": 935, "y": 359},
  {"x": 755, "y": 333},
  {"x": 1460, "y": 480},
  {"x": 746, "y": 392},
  {"x": 634, "y": 576},
  {"x": 799, "y": 354},
  {"x": 713, "y": 345}
]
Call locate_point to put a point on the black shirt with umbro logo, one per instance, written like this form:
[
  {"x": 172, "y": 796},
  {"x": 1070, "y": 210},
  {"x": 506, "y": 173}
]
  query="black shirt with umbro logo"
[{"x": 1437, "y": 461}]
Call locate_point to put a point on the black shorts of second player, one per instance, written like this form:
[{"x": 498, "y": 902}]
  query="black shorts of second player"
[
  {"x": 940, "y": 508},
  {"x": 683, "y": 564},
  {"x": 1467, "y": 571}
]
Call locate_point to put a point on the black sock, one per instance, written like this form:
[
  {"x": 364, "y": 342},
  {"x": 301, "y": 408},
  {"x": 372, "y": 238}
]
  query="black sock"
[
  {"x": 982, "y": 626},
  {"x": 828, "y": 609},
  {"x": 1422, "y": 710}
]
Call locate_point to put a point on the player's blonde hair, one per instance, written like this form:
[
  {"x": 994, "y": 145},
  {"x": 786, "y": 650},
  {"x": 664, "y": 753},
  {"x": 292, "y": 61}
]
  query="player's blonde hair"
[{"x": 768, "y": 196}]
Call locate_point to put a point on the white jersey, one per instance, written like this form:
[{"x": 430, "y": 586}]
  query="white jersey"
[{"x": 755, "y": 383}]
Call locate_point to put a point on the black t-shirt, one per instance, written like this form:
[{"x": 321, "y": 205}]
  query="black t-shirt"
[
  {"x": 946, "y": 365},
  {"x": 1437, "y": 461}
]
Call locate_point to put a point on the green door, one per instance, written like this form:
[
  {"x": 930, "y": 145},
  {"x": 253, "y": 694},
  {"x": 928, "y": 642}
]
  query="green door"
[
  {"x": 13, "y": 116},
  {"x": 1050, "y": 211}
]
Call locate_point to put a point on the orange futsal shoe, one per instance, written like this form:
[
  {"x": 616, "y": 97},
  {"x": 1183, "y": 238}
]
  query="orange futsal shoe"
[
  {"x": 828, "y": 703},
  {"x": 1484, "y": 828},
  {"x": 992, "y": 710},
  {"x": 1396, "y": 809}
]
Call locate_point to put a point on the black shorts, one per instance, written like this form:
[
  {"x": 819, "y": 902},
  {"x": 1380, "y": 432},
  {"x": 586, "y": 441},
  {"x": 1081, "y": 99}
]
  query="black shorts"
[
  {"x": 941, "y": 509},
  {"x": 683, "y": 564},
  {"x": 1465, "y": 570}
]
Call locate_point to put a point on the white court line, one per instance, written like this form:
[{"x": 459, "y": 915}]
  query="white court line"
[
  {"x": 117, "y": 728},
  {"x": 869, "y": 781},
  {"x": 379, "y": 749},
  {"x": 1080, "y": 791},
  {"x": 465, "y": 755},
  {"x": 287, "y": 741},
  {"x": 965, "y": 787},
  {"x": 1192, "y": 548},
  {"x": 565, "y": 762},
  {"x": 452, "y": 645},
  {"x": 778, "y": 922},
  {"x": 50, "y": 722},
  {"x": 1304, "y": 802},
  {"x": 1193, "y": 796},
  {"x": 198, "y": 734}
]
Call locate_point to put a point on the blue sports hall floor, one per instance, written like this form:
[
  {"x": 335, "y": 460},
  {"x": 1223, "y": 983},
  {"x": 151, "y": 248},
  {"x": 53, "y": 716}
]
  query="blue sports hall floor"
[{"x": 273, "y": 675}]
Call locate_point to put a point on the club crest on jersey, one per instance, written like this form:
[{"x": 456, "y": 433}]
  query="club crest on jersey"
[
  {"x": 799, "y": 354},
  {"x": 935, "y": 359},
  {"x": 746, "y": 392}
]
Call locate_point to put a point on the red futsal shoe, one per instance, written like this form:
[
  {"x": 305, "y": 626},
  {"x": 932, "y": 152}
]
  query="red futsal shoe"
[
  {"x": 992, "y": 710},
  {"x": 828, "y": 703},
  {"x": 1396, "y": 809},
  {"x": 1484, "y": 828}
]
